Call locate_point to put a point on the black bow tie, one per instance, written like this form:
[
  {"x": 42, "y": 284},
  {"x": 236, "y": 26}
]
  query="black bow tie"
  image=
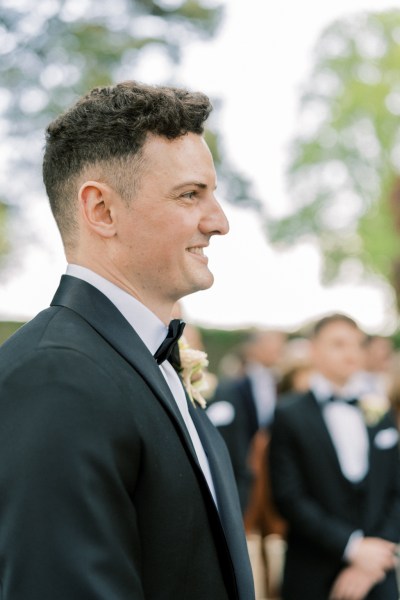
[
  {"x": 169, "y": 349},
  {"x": 350, "y": 401}
]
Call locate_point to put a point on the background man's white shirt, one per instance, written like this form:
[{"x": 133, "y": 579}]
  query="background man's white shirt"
[
  {"x": 346, "y": 426},
  {"x": 348, "y": 432},
  {"x": 263, "y": 386}
]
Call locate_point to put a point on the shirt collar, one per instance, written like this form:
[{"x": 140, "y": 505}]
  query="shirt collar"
[
  {"x": 257, "y": 371},
  {"x": 147, "y": 325},
  {"x": 323, "y": 389}
]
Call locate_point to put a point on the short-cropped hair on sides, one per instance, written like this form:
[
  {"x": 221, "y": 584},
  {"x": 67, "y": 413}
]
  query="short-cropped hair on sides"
[
  {"x": 103, "y": 134},
  {"x": 334, "y": 318}
]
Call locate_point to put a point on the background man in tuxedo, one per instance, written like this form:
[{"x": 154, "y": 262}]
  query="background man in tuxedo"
[
  {"x": 112, "y": 484},
  {"x": 244, "y": 405},
  {"x": 336, "y": 479}
]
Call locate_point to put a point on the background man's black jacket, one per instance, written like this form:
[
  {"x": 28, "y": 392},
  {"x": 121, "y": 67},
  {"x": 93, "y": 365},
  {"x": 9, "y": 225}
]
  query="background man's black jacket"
[{"x": 322, "y": 507}]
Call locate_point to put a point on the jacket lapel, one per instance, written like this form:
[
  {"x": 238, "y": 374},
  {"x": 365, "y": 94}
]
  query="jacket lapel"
[
  {"x": 227, "y": 498},
  {"x": 321, "y": 430},
  {"x": 93, "y": 306},
  {"x": 377, "y": 466},
  {"x": 313, "y": 413},
  {"x": 104, "y": 317}
]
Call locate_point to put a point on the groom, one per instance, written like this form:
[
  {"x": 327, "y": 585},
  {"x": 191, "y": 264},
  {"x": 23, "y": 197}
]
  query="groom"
[{"x": 113, "y": 485}]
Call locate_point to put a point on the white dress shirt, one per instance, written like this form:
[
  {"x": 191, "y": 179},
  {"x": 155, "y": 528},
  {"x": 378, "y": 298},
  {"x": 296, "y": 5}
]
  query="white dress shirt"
[
  {"x": 263, "y": 386},
  {"x": 346, "y": 426},
  {"x": 152, "y": 332},
  {"x": 349, "y": 435}
]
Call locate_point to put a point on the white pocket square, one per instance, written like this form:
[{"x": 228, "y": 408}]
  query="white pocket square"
[
  {"x": 386, "y": 438},
  {"x": 221, "y": 413}
]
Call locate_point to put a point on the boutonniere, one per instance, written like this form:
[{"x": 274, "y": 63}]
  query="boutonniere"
[
  {"x": 191, "y": 370},
  {"x": 373, "y": 408}
]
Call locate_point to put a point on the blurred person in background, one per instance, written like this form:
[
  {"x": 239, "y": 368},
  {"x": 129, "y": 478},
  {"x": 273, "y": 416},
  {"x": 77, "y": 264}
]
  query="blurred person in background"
[
  {"x": 378, "y": 353},
  {"x": 335, "y": 477},
  {"x": 297, "y": 366},
  {"x": 378, "y": 357},
  {"x": 242, "y": 410},
  {"x": 233, "y": 364},
  {"x": 394, "y": 387},
  {"x": 261, "y": 514},
  {"x": 296, "y": 378},
  {"x": 244, "y": 405},
  {"x": 297, "y": 350}
]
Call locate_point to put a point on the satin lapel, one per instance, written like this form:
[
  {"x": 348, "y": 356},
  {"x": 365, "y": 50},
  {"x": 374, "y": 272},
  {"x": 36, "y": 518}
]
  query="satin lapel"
[
  {"x": 317, "y": 425},
  {"x": 374, "y": 453},
  {"x": 105, "y": 318},
  {"x": 228, "y": 503},
  {"x": 376, "y": 468}
]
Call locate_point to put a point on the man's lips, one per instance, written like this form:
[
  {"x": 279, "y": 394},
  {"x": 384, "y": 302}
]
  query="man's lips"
[{"x": 198, "y": 252}]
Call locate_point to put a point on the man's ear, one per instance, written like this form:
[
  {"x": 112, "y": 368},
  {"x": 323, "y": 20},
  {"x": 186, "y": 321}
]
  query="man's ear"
[{"x": 96, "y": 206}]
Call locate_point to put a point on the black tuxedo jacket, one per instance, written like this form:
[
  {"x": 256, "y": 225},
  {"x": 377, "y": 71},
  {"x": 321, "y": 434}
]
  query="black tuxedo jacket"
[
  {"x": 239, "y": 433},
  {"x": 101, "y": 493},
  {"x": 322, "y": 507}
]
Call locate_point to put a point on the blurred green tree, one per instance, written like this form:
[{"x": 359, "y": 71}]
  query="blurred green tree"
[
  {"x": 343, "y": 175},
  {"x": 53, "y": 51}
]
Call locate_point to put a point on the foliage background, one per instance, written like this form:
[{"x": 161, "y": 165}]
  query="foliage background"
[{"x": 343, "y": 173}]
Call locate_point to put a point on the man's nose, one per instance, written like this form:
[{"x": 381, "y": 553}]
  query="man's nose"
[{"x": 214, "y": 221}]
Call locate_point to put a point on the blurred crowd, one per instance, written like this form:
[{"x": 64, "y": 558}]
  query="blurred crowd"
[{"x": 268, "y": 370}]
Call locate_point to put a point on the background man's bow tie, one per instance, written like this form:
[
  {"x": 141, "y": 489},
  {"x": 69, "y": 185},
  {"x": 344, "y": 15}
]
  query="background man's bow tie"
[
  {"x": 350, "y": 401},
  {"x": 169, "y": 349}
]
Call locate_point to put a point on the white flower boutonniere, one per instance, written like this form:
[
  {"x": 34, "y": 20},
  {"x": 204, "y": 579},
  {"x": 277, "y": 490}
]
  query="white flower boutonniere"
[
  {"x": 373, "y": 407},
  {"x": 191, "y": 371}
]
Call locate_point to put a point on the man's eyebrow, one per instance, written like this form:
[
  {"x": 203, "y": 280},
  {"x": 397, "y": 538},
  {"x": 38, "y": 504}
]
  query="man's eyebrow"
[{"x": 198, "y": 184}]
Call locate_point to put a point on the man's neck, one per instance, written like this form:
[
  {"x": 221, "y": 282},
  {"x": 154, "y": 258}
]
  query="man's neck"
[
  {"x": 162, "y": 309},
  {"x": 337, "y": 383}
]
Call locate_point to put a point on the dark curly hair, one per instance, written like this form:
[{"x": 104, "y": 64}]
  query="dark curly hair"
[{"x": 106, "y": 130}]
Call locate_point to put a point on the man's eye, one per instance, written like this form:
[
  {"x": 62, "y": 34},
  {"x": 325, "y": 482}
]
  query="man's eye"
[{"x": 189, "y": 195}]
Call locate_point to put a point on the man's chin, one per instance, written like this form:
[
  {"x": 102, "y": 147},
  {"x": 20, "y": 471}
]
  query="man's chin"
[
  {"x": 205, "y": 283},
  {"x": 201, "y": 284}
]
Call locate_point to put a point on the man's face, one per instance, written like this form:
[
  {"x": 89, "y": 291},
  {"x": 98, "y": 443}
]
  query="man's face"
[
  {"x": 268, "y": 348},
  {"x": 337, "y": 351},
  {"x": 379, "y": 355},
  {"x": 163, "y": 233}
]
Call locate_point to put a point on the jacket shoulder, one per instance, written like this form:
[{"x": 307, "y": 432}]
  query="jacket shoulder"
[
  {"x": 55, "y": 338},
  {"x": 292, "y": 407},
  {"x": 53, "y": 327},
  {"x": 26, "y": 339}
]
